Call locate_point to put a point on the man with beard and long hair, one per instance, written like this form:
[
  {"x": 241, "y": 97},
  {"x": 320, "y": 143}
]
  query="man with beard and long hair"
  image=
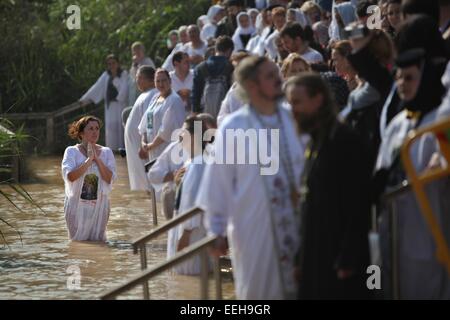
[
  {"x": 257, "y": 209},
  {"x": 335, "y": 202}
]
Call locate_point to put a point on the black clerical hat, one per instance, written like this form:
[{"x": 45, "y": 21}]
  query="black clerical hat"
[{"x": 410, "y": 58}]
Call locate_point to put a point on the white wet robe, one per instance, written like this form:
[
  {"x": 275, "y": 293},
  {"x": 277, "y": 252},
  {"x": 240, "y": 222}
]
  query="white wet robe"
[
  {"x": 190, "y": 188},
  {"x": 270, "y": 45},
  {"x": 161, "y": 119},
  {"x": 86, "y": 204},
  {"x": 136, "y": 169},
  {"x": 178, "y": 84},
  {"x": 113, "y": 113},
  {"x": 420, "y": 274},
  {"x": 230, "y": 104},
  {"x": 170, "y": 160},
  {"x": 246, "y": 206},
  {"x": 209, "y": 29},
  {"x": 168, "y": 65}
]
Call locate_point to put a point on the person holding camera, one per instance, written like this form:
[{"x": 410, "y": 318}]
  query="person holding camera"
[{"x": 371, "y": 58}]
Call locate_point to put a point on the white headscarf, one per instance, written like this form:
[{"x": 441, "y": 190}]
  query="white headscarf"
[
  {"x": 250, "y": 11},
  {"x": 238, "y": 45},
  {"x": 204, "y": 19},
  {"x": 209, "y": 29},
  {"x": 300, "y": 17},
  {"x": 212, "y": 12},
  {"x": 348, "y": 14},
  {"x": 259, "y": 24}
]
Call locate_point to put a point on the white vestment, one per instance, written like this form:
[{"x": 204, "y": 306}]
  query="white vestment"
[
  {"x": 237, "y": 203},
  {"x": 136, "y": 170},
  {"x": 161, "y": 119},
  {"x": 168, "y": 65},
  {"x": 86, "y": 203},
  {"x": 190, "y": 187},
  {"x": 312, "y": 56},
  {"x": 420, "y": 275},
  {"x": 270, "y": 45},
  {"x": 230, "y": 104},
  {"x": 113, "y": 112}
]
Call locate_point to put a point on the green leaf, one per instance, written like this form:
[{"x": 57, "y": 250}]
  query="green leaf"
[{"x": 7, "y": 197}]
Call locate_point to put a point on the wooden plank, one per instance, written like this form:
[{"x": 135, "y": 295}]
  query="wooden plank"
[
  {"x": 71, "y": 107},
  {"x": 26, "y": 116},
  {"x": 50, "y": 130}
]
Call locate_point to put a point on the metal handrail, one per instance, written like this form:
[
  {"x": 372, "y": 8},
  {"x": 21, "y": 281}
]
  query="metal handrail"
[
  {"x": 181, "y": 256},
  {"x": 416, "y": 184},
  {"x": 140, "y": 245},
  {"x": 388, "y": 199},
  {"x": 48, "y": 114},
  {"x": 137, "y": 244},
  {"x": 49, "y": 118}
]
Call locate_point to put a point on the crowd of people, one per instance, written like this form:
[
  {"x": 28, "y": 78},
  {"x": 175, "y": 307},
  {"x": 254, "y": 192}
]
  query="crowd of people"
[{"x": 341, "y": 83}]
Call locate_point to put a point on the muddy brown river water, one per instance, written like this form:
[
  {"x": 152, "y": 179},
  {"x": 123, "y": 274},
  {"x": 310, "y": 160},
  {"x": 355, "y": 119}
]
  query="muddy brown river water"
[{"x": 41, "y": 266}]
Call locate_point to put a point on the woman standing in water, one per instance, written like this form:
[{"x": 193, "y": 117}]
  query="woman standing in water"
[{"x": 88, "y": 170}]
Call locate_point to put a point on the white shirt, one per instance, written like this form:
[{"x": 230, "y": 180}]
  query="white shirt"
[
  {"x": 236, "y": 203},
  {"x": 191, "y": 51},
  {"x": 162, "y": 119},
  {"x": 166, "y": 164},
  {"x": 178, "y": 85},
  {"x": 312, "y": 56}
]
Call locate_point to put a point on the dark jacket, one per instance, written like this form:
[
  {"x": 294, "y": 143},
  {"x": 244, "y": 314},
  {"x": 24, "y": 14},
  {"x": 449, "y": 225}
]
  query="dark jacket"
[
  {"x": 226, "y": 27},
  {"x": 366, "y": 121},
  {"x": 217, "y": 65},
  {"x": 335, "y": 216}
]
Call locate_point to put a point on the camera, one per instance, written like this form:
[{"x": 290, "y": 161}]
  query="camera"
[{"x": 356, "y": 31}]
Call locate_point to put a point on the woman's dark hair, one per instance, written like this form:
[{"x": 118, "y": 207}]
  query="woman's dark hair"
[
  {"x": 294, "y": 30},
  {"x": 190, "y": 127},
  {"x": 362, "y": 6},
  {"x": 394, "y": 2},
  {"x": 314, "y": 85},
  {"x": 343, "y": 47},
  {"x": 77, "y": 127},
  {"x": 114, "y": 57},
  {"x": 428, "y": 7},
  {"x": 177, "y": 57}
]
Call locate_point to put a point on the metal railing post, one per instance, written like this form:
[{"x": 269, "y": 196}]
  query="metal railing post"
[
  {"x": 154, "y": 212},
  {"x": 204, "y": 270},
  {"x": 218, "y": 278},
  {"x": 143, "y": 253},
  {"x": 394, "y": 251},
  {"x": 50, "y": 133},
  {"x": 197, "y": 248}
]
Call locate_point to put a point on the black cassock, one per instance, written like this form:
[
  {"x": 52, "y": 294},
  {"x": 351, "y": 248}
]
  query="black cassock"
[{"x": 335, "y": 216}]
